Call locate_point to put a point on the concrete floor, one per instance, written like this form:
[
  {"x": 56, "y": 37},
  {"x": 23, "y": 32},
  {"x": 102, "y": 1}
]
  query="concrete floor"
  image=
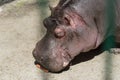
[{"x": 20, "y": 29}]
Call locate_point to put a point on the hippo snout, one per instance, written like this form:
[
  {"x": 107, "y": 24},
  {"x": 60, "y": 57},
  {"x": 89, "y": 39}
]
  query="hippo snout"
[{"x": 48, "y": 61}]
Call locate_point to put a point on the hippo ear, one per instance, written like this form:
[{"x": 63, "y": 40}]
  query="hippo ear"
[{"x": 51, "y": 8}]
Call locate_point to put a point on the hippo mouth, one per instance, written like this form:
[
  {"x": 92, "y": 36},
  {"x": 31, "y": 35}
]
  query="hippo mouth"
[
  {"x": 40, "y": 66},
  {"x": 63, "y": 65}
]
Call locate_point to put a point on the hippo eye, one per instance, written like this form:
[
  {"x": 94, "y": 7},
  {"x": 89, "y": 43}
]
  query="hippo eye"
[
  {"x": 66, "y": 21},
  {"x": 59, "y": 33}
]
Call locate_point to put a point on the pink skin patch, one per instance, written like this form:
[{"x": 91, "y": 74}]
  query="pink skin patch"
[
  {"x": 40, "y": 67},
  {"x": 59, "y": 32}
]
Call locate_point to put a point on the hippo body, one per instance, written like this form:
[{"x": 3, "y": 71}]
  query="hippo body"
[{"x": 74, "y": 26}]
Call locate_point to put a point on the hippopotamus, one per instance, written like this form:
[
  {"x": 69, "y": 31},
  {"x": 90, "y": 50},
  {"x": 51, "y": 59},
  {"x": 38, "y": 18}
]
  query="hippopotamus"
[{"x": 74, "y": 26}]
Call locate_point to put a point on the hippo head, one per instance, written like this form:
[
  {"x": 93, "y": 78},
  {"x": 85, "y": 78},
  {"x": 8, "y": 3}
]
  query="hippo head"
[{"x": 67, "y": 35}]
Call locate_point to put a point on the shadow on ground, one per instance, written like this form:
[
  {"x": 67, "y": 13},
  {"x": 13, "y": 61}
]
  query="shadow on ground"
[{"x": 82, "y": 57}]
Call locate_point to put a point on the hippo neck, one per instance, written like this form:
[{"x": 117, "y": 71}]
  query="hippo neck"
[{"x": 99, "y": 13}]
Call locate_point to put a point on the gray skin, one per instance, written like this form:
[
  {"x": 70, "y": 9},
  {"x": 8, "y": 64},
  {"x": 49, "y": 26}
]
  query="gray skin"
[{"x": 74, "y": 26}]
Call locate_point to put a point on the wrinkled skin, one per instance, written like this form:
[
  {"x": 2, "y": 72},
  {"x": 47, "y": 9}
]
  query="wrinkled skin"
[{"x": 74, "y": 26}]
